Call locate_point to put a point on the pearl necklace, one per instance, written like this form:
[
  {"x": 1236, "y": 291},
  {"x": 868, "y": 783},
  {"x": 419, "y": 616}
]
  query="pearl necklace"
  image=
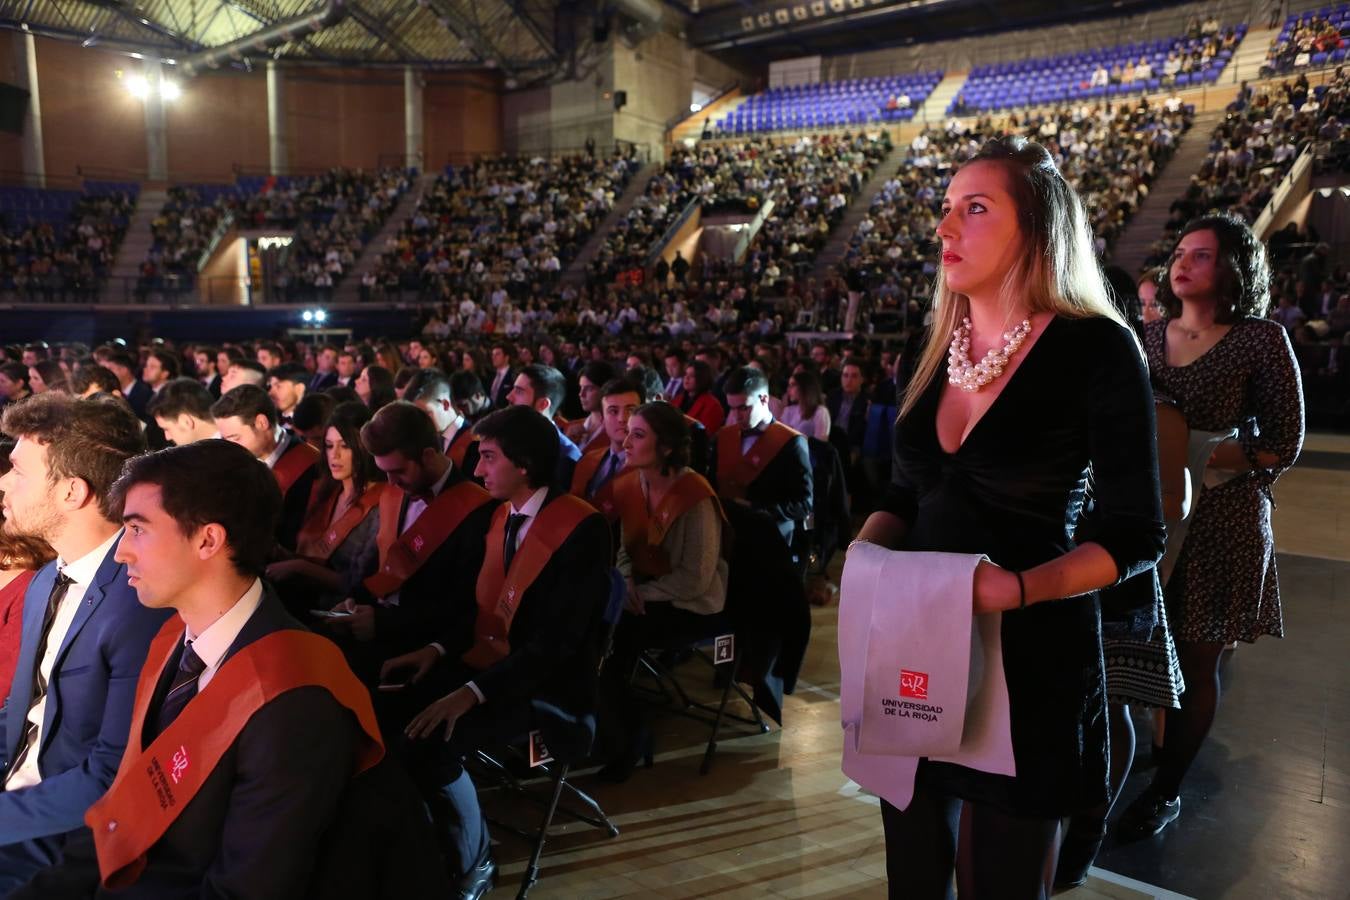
[{"x": 970, "y": 378}]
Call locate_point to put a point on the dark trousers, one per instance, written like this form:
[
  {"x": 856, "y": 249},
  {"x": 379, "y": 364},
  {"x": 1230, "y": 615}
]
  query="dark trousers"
[
  {"x": 1008, "y": 852},
  {"x": 437, "y": 768},
  {"x": 661, "y": 626},
  {"x": 20, "y": 862}
]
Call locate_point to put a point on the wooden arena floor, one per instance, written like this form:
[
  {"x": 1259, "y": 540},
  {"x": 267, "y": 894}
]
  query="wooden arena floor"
[{"x": 1265, "y": 812}]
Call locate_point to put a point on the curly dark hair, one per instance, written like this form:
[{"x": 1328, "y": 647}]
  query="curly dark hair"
[{"x": 1243, "y": 281}]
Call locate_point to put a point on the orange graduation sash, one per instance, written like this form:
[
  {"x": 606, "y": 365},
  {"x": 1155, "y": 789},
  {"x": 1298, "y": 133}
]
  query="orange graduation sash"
[
  {"x": 401, "y": 555},
  {"x": 154, "y": 784},
  {"x": 585, "y": 470},
  {"x": 318, "y": 539},
  {"x": 460, "y": 444},
  {"x": 294, "y": 463},
  {"x": 499, "y": 592},
  {"x": 735, "y": 472},
  {"x": 599, "y": 442},
  {"x": 643, "y": 532}
]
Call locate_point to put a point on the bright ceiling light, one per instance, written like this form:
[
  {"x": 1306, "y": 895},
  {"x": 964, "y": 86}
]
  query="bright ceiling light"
[
  {"x": 138, "y": 86},
  {"x": 695, "y": 107},
  {"x": 170, "y": 90}
]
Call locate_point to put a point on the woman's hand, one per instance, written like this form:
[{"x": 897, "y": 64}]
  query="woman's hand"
[{"x": 996, "y": 589}]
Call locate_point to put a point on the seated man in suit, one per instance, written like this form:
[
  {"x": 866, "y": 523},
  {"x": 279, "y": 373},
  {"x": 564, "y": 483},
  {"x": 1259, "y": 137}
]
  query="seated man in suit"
[
  {"x": 246, "y": 728},
  {"x": 429, "y": 547},
  {"x": 286, "y": 385},
  {"x": 84, "y": 635},
  {"x": 457, "y": 440},
  {"x": 762, "y": 471},
  {"x": 698, "y": 435},
  {"x": 593, "y": 478},
  {"x": 542, "y": 388},
  {"x": 246, "y": 416},
  {"x": 588, "y": 433},
  {"x": 759, "y": 465},
  {"x": 466, "y": 392},
  {"x": 534, "y": 634},
  {"x": 325, "y": 368},
  {"x": 182, "y": 409}
]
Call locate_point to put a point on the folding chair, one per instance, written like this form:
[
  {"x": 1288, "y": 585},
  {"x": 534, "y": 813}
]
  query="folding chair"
[{"x": 567, "y": 740}]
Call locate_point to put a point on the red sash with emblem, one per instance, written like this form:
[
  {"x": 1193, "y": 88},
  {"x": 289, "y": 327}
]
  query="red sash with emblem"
[
  {"x": 585, "y": 470},
  {"x": 499, "y": 592},
  {"x": 736, "y": 472},
  {"x": 155, "y": 783},
  {"x": 294, "y": 463},
  {"x": 318, "y": 539},
  {"x": 643, "y": 532},
  {"x": 401, "y": 555}
]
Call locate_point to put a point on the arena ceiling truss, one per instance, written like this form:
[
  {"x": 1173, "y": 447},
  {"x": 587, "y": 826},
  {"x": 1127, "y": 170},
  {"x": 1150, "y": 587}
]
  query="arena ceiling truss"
[{"x": 514, "y": 36}]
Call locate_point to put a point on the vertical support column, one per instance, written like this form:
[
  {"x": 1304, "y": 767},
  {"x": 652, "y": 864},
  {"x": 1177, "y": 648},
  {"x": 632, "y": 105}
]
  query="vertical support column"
[
  {"x": 276, "y": 120},
  {"x": 34, "y": 159},
  {"x": 156, "y": 138},
  {"x": 412, "y": 119}
]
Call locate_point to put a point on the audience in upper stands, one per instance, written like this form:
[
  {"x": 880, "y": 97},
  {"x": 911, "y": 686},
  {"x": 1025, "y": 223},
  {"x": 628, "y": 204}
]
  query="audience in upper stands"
[{"x": 58, "y": 245}]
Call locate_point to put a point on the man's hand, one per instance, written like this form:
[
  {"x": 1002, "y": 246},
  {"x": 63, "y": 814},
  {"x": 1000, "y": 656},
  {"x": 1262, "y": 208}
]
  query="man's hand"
[
  {"x": 361, "y": 622},
  {"x": 446, "y": 710},
  {"x": 420, "y": 661}
]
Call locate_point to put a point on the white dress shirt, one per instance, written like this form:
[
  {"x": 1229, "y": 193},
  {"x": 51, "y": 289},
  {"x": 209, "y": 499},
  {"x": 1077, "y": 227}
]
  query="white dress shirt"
[
  {"x": 531, "y": 509},
  {"x": 211, "y": 644},
  {"x": 81, "y": 573},
  {"x": 279, "y": 435},
  {"x": 450, "y": 433},
  {"x": 416, "y": 506}
]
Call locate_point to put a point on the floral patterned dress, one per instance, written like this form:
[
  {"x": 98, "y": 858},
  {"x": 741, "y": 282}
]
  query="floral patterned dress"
[{"x": 1225, "y": 586}]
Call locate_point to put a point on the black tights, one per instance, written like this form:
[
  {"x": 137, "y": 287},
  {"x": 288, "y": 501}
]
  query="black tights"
[
  {"x": 1008, "y": 853},
  {"x": 1188, "y": 727}
]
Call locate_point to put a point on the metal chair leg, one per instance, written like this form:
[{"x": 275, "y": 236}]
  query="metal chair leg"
[
  {"x": 531, "y": 875},
  {"x": 706, "y": 766}
]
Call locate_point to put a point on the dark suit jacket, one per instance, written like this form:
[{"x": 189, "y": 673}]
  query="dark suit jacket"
[
  {"x": 555, "y": 633},
  {"x": 139, "y": 396},
  {"x": 213, "y": 386},
  {"x": 254, "y": 829},
  {"x": 321, "y": 381},
  {"x": 856, "y": 426},
  {"x": 89, "y": 699},
  {"x": 568, "y": 454},
  {"x": 500, "y": 399},
  {"x": 295, "y": 503},
  {"x": 439, "y": 592},
  {"x": 782, "y": 493}
]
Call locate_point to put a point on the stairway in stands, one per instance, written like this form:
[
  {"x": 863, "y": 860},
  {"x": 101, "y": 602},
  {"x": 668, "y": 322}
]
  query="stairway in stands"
[
  {"x": 575, "y": 273},
  {"x": 126, "y": 267},
  {"x": 1147, "y": 224},
  {"x": 349, "y": 290},
  {"x": 933, "y": 110},
  {"x": 837, "y": 244}
]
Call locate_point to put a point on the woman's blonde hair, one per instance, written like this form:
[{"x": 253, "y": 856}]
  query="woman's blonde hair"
[{"x": 1056, "y": 271}]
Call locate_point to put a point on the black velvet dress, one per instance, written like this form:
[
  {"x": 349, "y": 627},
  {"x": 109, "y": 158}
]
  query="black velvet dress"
[{"x": 1014, "y": 491}]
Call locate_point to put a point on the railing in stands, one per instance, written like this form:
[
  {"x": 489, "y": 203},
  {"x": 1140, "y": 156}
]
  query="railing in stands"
[
  {"x": 1280, "y": 195},
  {"x": 689, "y": 114},
  {"x": 636, "y": 149},
  {"x": 50, "y": 182},
  {"x": 669, "y": 234},
  {"x": 222, "y": 228}
]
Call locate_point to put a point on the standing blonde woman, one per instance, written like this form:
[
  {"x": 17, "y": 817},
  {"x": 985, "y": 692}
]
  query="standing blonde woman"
[{"x": 992, "y": 457}]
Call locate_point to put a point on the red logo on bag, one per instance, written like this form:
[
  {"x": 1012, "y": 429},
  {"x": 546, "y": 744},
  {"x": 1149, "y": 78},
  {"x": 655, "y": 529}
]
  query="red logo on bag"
[{"x": 914, "y": 684}]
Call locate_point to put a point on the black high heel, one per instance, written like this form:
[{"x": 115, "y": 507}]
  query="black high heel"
[{"x": 620, "y": 769}]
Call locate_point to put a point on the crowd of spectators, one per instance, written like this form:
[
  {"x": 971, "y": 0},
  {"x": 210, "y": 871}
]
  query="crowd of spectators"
[
  {"x": 1263, "y": 135},
  {"x": 809, "y": 179},
  {"x": 503, "y": 227},
  {"x": 1110, "y": 154},
  {"x": 333, "y": 215},
  {"x": 57, "y": 258},
  {"x": 1299, "y": 44}
]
